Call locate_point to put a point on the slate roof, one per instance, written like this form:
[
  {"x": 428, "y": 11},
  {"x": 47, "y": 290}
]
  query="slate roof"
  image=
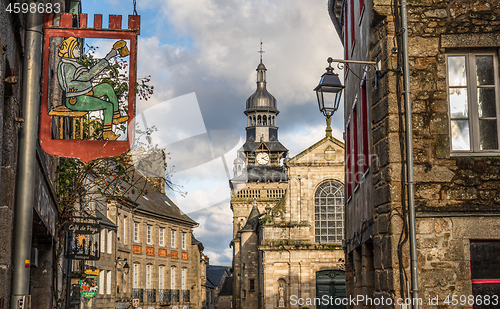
[
  {"x": 209, "y": 284},
  {"x": 227, "y": 288},
  {"x": 156, "y": 202},
  {"x": 274, "y": 146},
  {"x": 104, "y": 220},
  {"x": 216, "y": 275},
  {"x": 253, "y": 220}
]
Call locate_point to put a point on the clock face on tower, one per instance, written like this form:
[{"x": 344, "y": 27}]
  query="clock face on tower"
[{"x": 262, "y": 158}]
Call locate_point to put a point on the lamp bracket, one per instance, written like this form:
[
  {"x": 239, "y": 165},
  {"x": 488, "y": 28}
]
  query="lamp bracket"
[{"x": 369, "y": 65}]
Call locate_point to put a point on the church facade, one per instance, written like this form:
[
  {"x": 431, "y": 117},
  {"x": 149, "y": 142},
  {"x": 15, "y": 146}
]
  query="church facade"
[{"x": 288, "y": 215}]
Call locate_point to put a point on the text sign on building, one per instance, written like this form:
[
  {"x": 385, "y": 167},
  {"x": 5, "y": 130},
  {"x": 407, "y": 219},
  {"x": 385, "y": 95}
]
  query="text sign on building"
[
  {"x": 83, "y": 241},
  {"x": 88, "y": 94}
]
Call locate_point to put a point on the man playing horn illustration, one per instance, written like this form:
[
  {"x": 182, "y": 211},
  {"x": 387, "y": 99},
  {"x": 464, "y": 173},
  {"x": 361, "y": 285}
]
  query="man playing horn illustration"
[{"x": 76, "y": 80}]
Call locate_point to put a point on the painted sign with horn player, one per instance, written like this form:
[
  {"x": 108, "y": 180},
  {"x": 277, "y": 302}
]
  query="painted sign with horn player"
[{"x": 88, "y": 94}]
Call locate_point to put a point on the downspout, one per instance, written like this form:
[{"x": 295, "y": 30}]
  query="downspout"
[
  {"x": 409, "y": 156},
  {"x": 25, "y": 180}
]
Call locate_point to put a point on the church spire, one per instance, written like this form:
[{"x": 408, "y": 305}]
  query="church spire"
[{"x": 261, "y": 71}]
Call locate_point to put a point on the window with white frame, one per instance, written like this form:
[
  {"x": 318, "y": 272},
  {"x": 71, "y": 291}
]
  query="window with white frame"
[
  {"x": 110, "y": 242},
  {"x": 183, "y": 278},
  {"x": 161, "y": 270},
  {"x": 474, "y": 102},
  {"x": 125, "y": 231},
  {"x": 101, "y": 281},
  {"x": 103, "y": 240},
  {"x": 172, "y": 239},
  {"x": 135, "y": 276},
  {"x": 149, "y": 268},
  {"x": 149, "y": 232},
  {"x": 161, "y": 236},
  {"x": 136, "y": 231},
  {"x": 108, "y": 282},
  {"x": 172, "y": 278},
  {"x": 329, "y": 212},
  {"x": 119, "y": 231},
  {"x": 183, "y": 241}
]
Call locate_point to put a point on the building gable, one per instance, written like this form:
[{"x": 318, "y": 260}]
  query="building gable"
[{"x": 329, "y": 150}]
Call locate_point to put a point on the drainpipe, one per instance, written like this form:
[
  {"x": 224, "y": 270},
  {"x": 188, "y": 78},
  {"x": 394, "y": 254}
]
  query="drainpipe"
[
  {"x": 25, "y": 180},
  {"x": 409, "y": 156}
]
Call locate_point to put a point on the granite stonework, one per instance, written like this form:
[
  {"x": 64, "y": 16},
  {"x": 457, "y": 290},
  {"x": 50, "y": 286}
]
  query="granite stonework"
[{"x": 457, "y": 196}]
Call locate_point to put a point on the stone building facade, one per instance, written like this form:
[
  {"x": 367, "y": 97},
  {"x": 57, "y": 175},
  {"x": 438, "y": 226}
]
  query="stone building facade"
[
  {"x": 454, "y": 79},
  {"x": 147, "y": 252},
  {"x": 155, "y": 238},
  {"x": 287, "y": 215}
]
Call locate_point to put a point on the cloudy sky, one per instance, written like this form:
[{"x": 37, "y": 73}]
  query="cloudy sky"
[{"x": 202, "y": 56}]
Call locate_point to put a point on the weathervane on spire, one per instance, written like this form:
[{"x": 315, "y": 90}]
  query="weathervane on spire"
[{"x": 261, "y": 51}]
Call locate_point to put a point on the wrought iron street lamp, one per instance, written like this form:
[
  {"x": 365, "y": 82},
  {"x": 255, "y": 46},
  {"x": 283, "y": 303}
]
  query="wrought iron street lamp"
[
  {"x": 126, "y": 268},
  {"x": 329, "y": 91}
]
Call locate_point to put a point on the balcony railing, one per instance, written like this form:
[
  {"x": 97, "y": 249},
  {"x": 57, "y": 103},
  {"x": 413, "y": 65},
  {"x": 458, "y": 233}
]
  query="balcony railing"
[
  {"x": 165, "y": 296},
  {"x": 175, "y": 296},
  {"x": 185, "y": 296},
  {"x": 168, "y": 296},
  {"x": 151, "y": 295},
  {"x": 138, "y": 293}
]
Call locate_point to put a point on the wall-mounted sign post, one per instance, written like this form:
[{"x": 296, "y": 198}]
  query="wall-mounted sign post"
[{"x": 88, "y": 95}]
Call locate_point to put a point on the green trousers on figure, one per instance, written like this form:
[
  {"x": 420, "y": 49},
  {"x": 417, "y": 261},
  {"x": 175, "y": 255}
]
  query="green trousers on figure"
[{"x": 94, "y": 103}]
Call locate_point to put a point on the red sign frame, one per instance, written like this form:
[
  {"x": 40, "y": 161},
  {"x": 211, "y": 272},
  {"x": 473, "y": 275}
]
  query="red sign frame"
[{"x": 88, "y": 150}]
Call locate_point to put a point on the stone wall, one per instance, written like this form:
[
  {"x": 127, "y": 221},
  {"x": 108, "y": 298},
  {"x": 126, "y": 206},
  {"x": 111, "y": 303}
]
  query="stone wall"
[
  {"x": 447, "y": 187},
  {"x": 443, "y": 246},
  {"x": 249, "y": 266},
  {"x": 444, "y": 183}
]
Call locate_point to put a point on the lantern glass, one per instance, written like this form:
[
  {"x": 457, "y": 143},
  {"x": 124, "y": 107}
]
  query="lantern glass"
[
  {"x": 328, "y": 99},
  {"x": 329, "y": 91}
]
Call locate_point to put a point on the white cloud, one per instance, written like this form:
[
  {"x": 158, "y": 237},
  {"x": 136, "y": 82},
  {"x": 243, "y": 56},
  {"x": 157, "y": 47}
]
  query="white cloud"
[{"x": 215, "y": 232}]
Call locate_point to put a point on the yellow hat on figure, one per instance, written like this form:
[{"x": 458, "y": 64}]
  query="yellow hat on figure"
[{"x": 67, "y": 47}]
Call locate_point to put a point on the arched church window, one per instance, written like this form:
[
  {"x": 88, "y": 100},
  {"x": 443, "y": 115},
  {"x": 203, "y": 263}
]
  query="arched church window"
[
  {"x": 249, "y": 120},
  {"x": 264, "y": 121},
  {"x": 259, "y": 121},
  {"x": 329, "y": 212},
  {"x": 274, "y": 122},
  {"x": 253, "y": 120}
]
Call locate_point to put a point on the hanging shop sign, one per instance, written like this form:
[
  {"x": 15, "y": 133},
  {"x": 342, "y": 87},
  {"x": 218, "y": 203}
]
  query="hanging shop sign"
[
  {"x": 83, "y": 241},
  {"x": 90, "y": 284},
  {"x": 88, "y": 94}
]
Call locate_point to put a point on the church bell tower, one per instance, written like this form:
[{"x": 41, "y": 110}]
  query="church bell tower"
[
  {"x": 260, "y": 182},
  {"x": 262, "y": 152}
]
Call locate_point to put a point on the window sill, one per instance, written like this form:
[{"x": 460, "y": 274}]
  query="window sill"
[{"x": 475, "y": 154}]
